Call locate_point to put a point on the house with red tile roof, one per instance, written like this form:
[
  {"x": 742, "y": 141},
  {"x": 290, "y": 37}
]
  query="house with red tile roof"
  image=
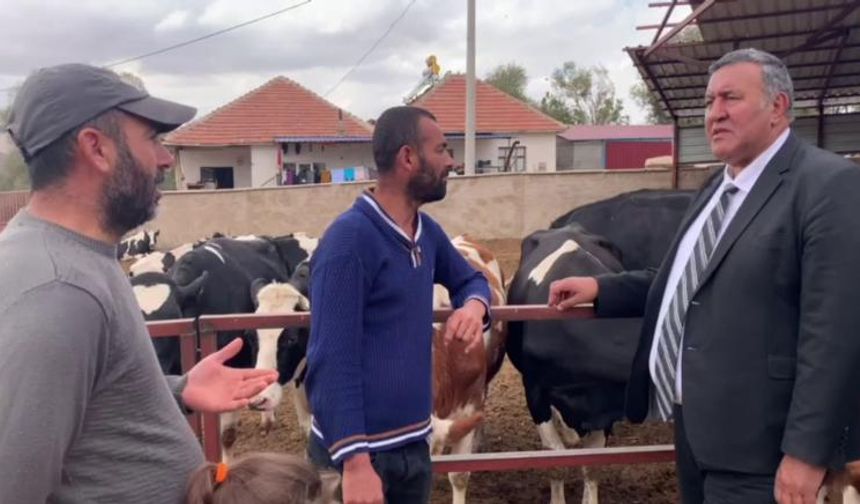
[
  {"x": 511, "y": 136},
  {"x": 280, "y": 132}
]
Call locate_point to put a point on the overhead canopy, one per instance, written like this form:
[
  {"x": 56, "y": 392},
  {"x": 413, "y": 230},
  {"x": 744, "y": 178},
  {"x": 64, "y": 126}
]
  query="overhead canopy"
[{"x": 819, "y": 40}]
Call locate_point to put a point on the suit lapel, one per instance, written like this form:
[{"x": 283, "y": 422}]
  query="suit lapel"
[{"x": 761, "y": 192}]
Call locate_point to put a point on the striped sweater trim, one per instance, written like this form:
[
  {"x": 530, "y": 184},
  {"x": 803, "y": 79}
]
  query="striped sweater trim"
[
  {"x": 488, "y": 320},
  {"x": 375, "y": 442}
]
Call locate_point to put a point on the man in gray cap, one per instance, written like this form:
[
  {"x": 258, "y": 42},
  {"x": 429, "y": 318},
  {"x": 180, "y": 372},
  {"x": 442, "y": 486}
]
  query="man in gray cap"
[{"x": 85, "y": 414}]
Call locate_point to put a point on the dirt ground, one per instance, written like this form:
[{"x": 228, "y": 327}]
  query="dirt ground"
[{"x": 508, "y": 427}]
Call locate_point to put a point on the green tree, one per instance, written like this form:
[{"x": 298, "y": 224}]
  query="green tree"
[
  {"x": 587, "y": 94},
  {"x": 556, "y": 108},
  {"x": 13, "y": 170},
  {"x": 650, "y": 102},
  {"x": 510, "y": 78}
]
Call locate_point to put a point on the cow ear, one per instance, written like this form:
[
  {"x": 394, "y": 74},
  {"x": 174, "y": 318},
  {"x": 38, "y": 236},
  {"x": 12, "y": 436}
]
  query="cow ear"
[
  {"x": 168, "y": 260},
  {"x": 256, "y": 285}
]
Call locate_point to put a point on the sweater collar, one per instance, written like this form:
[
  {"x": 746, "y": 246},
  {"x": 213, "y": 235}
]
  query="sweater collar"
[{"x": 367, "y": 202}]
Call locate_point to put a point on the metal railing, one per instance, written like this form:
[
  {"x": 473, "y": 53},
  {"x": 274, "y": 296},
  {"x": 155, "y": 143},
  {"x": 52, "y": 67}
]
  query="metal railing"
[{"x": 198, "y": 339}]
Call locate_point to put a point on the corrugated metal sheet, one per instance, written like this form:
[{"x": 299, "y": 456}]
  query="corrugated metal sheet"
[
  {"x": 620, "y": 155},
  {"x": 841, "y": 135},
  {"x": 582, "y": 132},
  {"x": 810, "y": 35},
  {"x": 579, "y": 155}
]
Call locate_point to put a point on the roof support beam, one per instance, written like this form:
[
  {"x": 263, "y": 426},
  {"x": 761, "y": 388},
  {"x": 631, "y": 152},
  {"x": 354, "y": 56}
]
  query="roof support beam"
[
  {"x": 668, "y": 4},
  {"x": 794, "y": 79},
  {"x": 830, "y": 70},
  {"x": 846, "y": 101},
  {"x": 751, "y": 38},
  {"x": 707, "y": 4},
  {"x": 790, "y": 67},
  {"x": 759, "y": 15},
  {"x": 667, "y": 50},
  {"x": 663, "y": 24}
]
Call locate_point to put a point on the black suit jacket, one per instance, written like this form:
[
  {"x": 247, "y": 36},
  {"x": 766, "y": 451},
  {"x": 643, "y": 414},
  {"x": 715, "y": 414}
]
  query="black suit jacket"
[{"x": 771, "y": 348}]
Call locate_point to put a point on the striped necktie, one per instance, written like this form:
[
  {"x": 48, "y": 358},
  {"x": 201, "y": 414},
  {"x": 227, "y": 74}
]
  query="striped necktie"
[{"x": 669, "y": 346}]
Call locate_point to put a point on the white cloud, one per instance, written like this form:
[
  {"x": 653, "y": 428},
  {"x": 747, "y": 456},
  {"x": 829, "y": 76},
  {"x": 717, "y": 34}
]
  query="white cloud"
[
  {"x": 317, "y": 43},
  {"x": 172, "y": 21}
]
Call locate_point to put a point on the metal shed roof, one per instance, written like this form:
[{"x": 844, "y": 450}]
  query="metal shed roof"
[{"x": 819, "y": 40}]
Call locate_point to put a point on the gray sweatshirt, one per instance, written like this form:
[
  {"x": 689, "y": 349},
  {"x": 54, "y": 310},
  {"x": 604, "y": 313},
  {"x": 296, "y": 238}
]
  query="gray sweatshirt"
[{"x": 85, "y": 413}]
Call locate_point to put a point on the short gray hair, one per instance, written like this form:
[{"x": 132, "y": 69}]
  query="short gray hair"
[
  {"x": 774, "y": 72},
  {"x": 51, "y": 165}
]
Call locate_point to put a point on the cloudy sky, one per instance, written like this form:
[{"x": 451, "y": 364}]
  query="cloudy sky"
[{"x": 318, "y": 42}]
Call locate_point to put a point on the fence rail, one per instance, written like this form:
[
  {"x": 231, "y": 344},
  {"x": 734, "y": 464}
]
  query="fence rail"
[
  {"x": 10, "y": 203},
  {"x": 198, "y": 339}
]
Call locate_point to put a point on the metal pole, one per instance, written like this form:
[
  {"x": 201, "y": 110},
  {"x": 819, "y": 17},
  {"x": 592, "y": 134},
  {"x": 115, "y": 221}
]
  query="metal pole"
[{"x": 469, "y": 155}]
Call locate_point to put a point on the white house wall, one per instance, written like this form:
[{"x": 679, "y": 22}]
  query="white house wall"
[
  {"x": 540, "y": 150},
  {"x": 264, "y": 165},
  {"x": 333, "y": 155},
  {"x": 239, "y": 158}
]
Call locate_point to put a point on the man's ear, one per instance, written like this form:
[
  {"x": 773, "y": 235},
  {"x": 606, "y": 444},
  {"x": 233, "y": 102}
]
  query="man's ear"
[
  {"x": 96, "y": 149},
  {"x": 407, "y": 157},
  {"x": 780, "y": 106}
]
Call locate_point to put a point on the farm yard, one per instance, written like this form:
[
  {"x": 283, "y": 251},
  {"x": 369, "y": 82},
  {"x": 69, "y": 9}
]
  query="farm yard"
[{"x": 508, "y": 427}]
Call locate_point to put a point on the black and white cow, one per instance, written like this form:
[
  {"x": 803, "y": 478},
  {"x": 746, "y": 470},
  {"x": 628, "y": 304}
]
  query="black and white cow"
[
  {"x": 283, "y": 349},
  {"x": 574, "y": 371},
  {"x": 159, "y": 262},
  {"x": 136, "y": 245},
  {"x": 641, "y": 224},
  {"x": 160, "y": 298},
  {"x": 233, "y": 266}
]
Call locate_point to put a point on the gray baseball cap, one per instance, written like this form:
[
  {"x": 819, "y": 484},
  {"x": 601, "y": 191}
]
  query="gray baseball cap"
[{"x": 55, "y": 100}]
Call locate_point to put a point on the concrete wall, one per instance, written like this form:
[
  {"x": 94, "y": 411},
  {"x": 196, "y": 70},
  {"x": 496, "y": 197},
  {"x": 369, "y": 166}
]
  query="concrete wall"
[{"x": 486, "y": 206}]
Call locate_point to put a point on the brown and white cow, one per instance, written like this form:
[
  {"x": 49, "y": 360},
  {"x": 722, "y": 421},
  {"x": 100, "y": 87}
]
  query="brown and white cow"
[
  {"x": 460, "y": 380},
  {"x": 842, "y": 487}
]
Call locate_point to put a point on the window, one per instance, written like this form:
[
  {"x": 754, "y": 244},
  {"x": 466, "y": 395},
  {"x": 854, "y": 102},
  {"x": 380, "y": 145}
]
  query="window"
[
  {"x": 512, "y": 161},
  {"x": 217, "y": 177}
]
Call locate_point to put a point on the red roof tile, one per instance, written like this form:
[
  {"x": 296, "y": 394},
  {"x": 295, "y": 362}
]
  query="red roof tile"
[
  {"x": 617, "y": 132},
  {"x": 497, "y": 111},
  {"x": 278, "y": 108}
]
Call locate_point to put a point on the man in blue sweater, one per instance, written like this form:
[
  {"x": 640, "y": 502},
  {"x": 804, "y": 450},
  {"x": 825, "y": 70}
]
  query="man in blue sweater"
[{"x": 369, "y": 357}]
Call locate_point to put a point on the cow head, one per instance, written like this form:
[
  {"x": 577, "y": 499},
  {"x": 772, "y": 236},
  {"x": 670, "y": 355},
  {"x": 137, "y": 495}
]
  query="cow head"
[{"x": 281, "y": 349}]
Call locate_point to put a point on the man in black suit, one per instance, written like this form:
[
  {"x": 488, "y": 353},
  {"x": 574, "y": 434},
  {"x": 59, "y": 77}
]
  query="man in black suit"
[{"x": 749, "y": 338}]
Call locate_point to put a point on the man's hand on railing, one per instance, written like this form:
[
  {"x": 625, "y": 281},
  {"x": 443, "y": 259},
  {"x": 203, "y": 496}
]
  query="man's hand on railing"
[
  {"x": 569, "y": 292},
  {"x": 215, "y": 388}
]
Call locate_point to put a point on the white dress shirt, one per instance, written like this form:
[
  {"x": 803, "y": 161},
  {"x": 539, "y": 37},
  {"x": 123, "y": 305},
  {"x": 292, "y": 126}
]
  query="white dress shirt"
[{"x": 745, "y": 181}]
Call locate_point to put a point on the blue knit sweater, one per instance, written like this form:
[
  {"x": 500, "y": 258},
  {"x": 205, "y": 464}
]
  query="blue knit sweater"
[{"x": 370, "y": 351}]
